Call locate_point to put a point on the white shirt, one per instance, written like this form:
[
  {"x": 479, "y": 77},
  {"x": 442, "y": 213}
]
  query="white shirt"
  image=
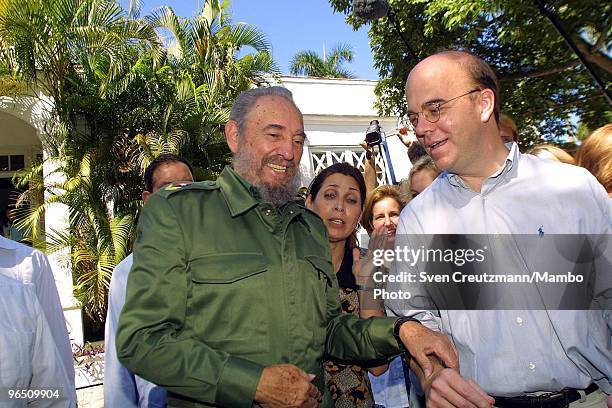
[
  {"x": 121, "y": 387},
  {"x": 29, "y": 359},
  {"x": 512, "y": 352},
  {"x": 32, "y": 267}
]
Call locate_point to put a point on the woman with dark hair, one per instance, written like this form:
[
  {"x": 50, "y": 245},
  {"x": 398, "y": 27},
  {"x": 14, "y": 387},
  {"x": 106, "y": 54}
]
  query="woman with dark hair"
[{"x": 337, "y": 195}]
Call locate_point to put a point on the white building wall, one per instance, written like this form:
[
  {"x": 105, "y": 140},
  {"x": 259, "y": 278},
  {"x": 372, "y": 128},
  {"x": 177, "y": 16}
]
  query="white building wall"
[{"x": 337, "y": 113}]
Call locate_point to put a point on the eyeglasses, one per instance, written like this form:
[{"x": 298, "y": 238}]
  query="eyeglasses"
[{"x": 431, "y": 110}]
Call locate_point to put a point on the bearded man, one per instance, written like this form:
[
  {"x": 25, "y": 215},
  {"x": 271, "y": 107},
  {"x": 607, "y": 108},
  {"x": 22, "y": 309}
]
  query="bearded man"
[{"x": 232, "y": 300}]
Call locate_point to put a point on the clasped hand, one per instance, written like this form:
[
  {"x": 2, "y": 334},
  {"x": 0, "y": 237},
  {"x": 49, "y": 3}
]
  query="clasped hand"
[{"x": 285, "y": 385}]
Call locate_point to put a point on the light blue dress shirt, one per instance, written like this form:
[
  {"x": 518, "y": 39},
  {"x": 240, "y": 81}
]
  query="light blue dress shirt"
[
  {"x": 513, "y": 352},
  {"x": 390, "y": 389},
  {"x": 121, "y": 387}
]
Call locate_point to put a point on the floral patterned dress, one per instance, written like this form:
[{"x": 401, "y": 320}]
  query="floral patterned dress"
[{"x": 348, "y": 384}]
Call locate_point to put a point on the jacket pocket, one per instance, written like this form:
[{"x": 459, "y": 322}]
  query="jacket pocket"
[
  {"x": 227, "y": 268},
  {"x": 228, "y": 302}
]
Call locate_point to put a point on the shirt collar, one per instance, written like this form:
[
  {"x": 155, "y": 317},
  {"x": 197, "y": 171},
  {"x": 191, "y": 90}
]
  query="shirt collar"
[
  {"x": 508, "y": 170},
  {"x": 6, "y": 243}
]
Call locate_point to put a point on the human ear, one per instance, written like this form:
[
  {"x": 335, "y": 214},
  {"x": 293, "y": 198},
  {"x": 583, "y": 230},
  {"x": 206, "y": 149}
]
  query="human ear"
[
  {"x": 231, "y": 135},
  {"x": 309, "y": 202},
  {"x": 487, "y": 104}
]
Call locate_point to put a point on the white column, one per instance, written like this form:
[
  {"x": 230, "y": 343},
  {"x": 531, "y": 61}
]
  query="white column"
[{"x": 56, "y": 219}]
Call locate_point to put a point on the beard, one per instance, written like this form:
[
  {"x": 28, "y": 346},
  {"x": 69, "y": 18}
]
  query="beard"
[{"x": 277, "y": 195}]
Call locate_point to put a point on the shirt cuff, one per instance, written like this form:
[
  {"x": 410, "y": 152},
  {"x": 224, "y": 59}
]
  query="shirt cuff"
[
  {"x": 238, "y": 383},
  {"x": 381, "y": 330}
]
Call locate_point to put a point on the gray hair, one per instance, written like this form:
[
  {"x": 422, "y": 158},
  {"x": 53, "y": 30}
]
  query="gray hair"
[{"x": 245, "y": 101}]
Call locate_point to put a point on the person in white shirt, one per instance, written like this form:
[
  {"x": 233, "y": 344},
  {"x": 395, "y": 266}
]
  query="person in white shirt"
[
  {"x": 32, "y": 372},
  {"x": 32, "y": 267},
  {"x": 121, "y": 387},
  {"x": 535, "y": 358}
]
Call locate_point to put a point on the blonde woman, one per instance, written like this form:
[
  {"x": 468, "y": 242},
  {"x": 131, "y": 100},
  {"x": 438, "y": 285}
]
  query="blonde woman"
[
  {"x": 595, "y": 155},
  {"x": 552, "y": 152}
]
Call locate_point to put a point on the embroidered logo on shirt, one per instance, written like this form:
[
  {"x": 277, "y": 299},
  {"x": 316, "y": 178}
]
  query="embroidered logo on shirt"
[{"x": 541, "y": 231}]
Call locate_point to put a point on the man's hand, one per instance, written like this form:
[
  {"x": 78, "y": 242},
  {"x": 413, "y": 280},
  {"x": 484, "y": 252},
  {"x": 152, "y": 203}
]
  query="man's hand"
[
  {"x": 422, "y": 342},
  {"x": 609, "y": 401},
  {"x": 447, "y": 388},
  {"x": 366, "y": 146},
  {"x": 406, "y": 138},
  {"x": 285, "y": 385}
]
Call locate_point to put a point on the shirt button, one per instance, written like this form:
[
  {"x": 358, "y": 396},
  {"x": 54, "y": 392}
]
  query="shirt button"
[
  {"x": 531, "y": 365},
  {"x": 290, "y": 211},
  {"x": 519, "y": 320}
]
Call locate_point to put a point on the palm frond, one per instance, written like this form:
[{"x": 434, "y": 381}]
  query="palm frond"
[
  {"x": 248, "y": 35},
  {"x": 307, "y": 63},
  {"x": 339, "y": 54},
  {"x": 166, "y": 18},
  {"x": 134, "y": 8}
]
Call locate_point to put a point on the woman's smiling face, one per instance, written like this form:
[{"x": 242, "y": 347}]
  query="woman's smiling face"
[{"x": 386, "y": 212}]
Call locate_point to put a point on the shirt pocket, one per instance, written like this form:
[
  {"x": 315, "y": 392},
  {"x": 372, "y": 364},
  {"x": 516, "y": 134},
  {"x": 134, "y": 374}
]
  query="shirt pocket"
[
  {"x": 228, "y": 302},
  {"x": 16, "y": 358}
]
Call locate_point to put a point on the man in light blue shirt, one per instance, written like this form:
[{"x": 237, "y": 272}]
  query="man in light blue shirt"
[
  {"x": 121, "y": 387},
  {"x": 32, "y": 268},
  {"x": 31, "y": 369},
  {"x": 521, "y": 357}
]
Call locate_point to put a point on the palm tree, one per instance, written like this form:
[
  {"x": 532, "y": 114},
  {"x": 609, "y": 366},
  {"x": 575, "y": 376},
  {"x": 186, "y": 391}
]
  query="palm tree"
[
  {"x": 210, "y": 42},
  {"x": 96, "y": 240},
  {"x": 55, "y": 45},
  {"x": 122, "y": 95},
  {"x": 308, "y": 63},
  {"x": 76, "y": 51},
  {"x": 220, "y": 59}
]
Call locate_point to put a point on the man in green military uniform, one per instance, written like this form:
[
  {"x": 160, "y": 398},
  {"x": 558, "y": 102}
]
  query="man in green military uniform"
[{"x": 232, "y": 299}]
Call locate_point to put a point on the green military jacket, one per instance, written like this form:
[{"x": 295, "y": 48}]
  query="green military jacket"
[{"x": 224, "y": 285}]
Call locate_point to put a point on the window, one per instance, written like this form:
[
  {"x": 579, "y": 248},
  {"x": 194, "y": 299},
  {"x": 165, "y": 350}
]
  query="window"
[
  {"x": 17, "y": 162},
  {"x": 12, "y": 162}
]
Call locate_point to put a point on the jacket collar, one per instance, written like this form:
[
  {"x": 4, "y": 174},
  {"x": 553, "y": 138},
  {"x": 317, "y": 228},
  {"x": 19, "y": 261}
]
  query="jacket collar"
[{"x": 239, "y": 194}]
